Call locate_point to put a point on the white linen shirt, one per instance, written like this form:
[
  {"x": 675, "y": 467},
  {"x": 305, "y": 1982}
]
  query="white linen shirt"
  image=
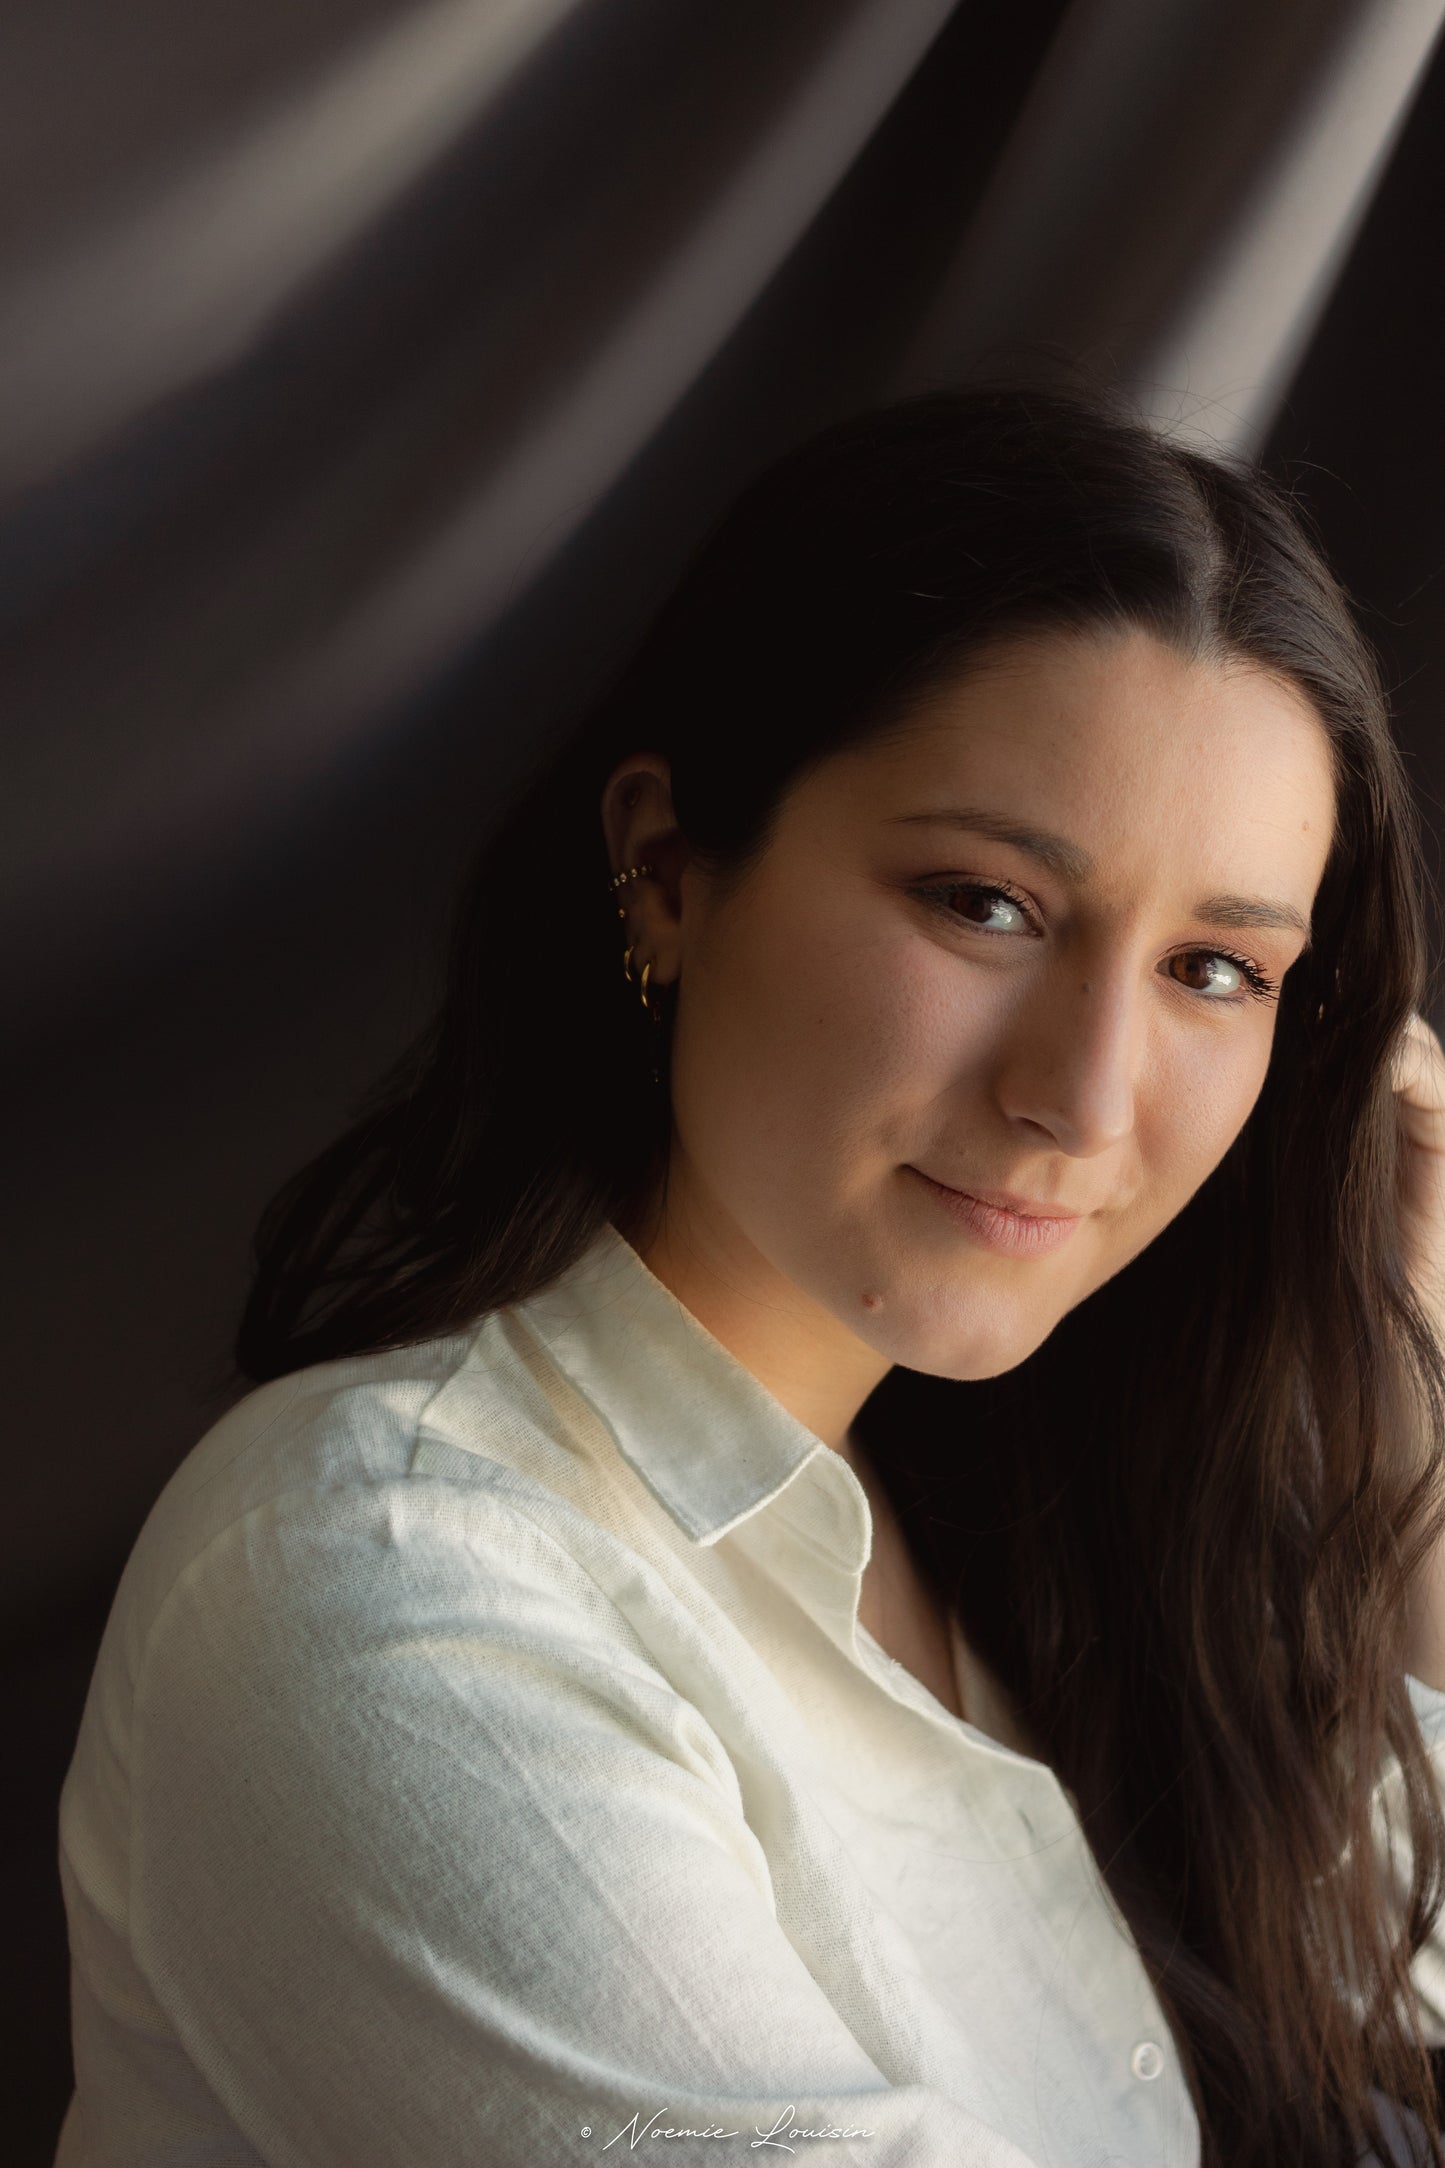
[{"x": 484, "y": 1767}]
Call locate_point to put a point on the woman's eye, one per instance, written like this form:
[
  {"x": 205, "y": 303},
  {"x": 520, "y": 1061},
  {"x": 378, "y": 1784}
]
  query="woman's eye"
[
  {"x": 1211, "y": 972},
  {"x": 991, "y": 908},
  {"x": 1223, "y": 977}
]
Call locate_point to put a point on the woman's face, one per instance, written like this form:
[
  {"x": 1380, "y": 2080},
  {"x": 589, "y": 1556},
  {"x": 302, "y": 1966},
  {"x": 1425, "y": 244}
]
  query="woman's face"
[{"x": 1020, "y": 948}]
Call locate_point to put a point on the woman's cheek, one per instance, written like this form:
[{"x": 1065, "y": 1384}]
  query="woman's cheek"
[
  {"x": 1195, "y": 1113},
  {"x": 849, "y": 997}
]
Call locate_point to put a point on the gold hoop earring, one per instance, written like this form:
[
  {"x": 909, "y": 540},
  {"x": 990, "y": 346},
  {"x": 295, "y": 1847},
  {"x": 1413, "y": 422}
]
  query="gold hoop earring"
[
  {"x": 651, "y": 996},
  {"x": 653, "y": 1005},
  {"x": 649, "y": 999}
]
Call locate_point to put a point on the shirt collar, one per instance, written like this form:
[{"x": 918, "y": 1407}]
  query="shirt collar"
[{"x": 708, "y": 1439}]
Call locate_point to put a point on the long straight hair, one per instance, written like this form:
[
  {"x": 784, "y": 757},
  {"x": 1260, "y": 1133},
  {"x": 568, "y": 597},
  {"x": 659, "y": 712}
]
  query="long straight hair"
[{"x": 1185, "y": 1530}]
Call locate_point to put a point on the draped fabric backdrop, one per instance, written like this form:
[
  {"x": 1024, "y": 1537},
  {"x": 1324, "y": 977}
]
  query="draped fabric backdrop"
[{"x": 366, "y": 369}]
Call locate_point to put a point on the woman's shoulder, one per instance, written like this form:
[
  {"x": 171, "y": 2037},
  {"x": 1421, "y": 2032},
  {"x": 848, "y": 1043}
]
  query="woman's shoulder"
[
  {"x": 360, "y": 1482},
  {"x": 307, "y": 1439},
  {"x": 372, "y": 1588}
]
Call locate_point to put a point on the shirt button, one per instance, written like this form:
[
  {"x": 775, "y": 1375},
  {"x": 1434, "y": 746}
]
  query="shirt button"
[{"x": 1147, "y": 2060}]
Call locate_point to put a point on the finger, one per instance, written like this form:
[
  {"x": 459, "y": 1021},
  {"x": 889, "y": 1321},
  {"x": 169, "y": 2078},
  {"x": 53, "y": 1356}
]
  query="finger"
[
  {"x": 1418, "y": 1077},
  {"x": 1418, "y": 1066}
]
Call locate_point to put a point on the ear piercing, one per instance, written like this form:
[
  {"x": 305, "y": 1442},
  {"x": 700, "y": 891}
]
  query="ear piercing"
[
  {"x": 635, "y": 873},
  {"x": 632, "y": 873}
]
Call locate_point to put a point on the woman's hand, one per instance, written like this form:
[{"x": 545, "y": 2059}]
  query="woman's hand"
[{"x": 1419, "y": 1080}]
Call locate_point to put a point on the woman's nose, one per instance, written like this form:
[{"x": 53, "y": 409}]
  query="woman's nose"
[{"x": 1070, "y": 1067}]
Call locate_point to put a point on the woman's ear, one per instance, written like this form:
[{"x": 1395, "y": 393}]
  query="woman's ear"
[{"x": 641, "y": 830}]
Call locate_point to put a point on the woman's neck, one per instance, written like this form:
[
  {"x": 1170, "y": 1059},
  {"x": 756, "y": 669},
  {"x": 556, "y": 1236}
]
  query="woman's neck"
[{"x": 804, "y": 1355}]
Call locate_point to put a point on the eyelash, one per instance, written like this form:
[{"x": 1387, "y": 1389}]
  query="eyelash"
[{"x": 1260, "y": 987}]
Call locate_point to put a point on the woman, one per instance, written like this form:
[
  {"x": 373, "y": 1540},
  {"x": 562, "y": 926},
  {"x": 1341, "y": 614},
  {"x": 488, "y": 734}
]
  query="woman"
[{"x": 834, "y": 1552}]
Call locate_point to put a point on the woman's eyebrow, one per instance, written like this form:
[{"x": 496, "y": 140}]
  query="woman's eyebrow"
[
  {"x": 1067, "y": 859},
  {"x": 1253, "y": 911},
  {"x": 1072, "y": 863}
]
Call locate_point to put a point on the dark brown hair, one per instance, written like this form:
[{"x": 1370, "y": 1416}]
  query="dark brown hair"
[{"x": 1183, "y": 1531}]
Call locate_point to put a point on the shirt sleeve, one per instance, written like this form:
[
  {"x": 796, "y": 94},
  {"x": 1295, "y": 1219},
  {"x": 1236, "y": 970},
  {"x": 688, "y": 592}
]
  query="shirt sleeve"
[
  {"x": 1427, "y": 1971},
  {"x": 432, "y": 1868}
]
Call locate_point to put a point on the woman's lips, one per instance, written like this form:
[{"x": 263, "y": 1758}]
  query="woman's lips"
[{"x": 1014, "y": 1234}]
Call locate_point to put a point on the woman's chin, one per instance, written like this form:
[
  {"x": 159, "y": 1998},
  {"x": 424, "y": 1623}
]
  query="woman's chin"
[{"x": 947, "y": 1339}]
